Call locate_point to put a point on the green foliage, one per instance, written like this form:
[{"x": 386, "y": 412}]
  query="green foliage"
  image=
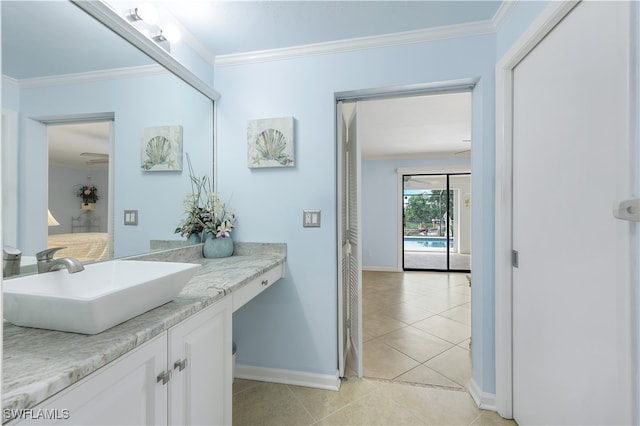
[
  {"x": 417, "y": 210},
  {"x": 429, "y": 208}
]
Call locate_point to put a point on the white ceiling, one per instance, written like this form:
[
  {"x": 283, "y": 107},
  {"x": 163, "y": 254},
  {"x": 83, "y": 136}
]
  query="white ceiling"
[
  {"x": 415, "y": 126},
  {"x": 405, "y": 127},
  {"x": 46, "y": 38},
  {"x": 76, "y": 145},
  {"x": 231, "y": 27}
]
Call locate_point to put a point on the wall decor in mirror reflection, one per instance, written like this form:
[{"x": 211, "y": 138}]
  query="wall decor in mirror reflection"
[
  {"x": 161, "y": 148},
  {"x": 270, "y": 142},
  {"x": 89, "y": 194}
]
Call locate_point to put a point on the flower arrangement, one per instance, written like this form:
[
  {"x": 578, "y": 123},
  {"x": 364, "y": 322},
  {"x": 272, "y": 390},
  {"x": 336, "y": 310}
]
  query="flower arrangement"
[
  {"x": 205, "y": 211},
  {"x": 89, "y": 193},
  {"x": 218, "y": 221}
]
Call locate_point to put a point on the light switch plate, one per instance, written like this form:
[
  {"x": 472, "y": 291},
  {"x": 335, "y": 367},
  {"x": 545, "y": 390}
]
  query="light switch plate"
[
  {"x": 311, "y": 218},
  {"x": 131, "y": 217}
]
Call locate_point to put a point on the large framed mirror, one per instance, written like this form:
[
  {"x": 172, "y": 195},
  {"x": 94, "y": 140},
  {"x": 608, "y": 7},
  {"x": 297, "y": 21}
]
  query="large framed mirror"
[{"x": 78, "y": 105}]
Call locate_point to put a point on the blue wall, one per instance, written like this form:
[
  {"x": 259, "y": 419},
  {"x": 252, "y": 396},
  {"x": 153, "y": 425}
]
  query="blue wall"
[
  {"x": 64, "y": 202},
  {"x": 10, "y": 95},
  {"x": 293, "y": 325},
  {"x": 380, "y": 207}
]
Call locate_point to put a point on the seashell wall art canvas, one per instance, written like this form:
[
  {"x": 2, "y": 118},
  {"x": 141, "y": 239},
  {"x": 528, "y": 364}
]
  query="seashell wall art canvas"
[
  {"x": 270, "y": 142},
  {"x": 161, "y": 148}
]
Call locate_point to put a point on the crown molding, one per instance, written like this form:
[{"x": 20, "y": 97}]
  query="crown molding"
[
  {"x": 348, "y": 45},
  {"x": 502, "y": 13},
  {"x": 416, "y": 36},
  {"x": 88, "y": 77},
  {"x": 6, "y": 80}
]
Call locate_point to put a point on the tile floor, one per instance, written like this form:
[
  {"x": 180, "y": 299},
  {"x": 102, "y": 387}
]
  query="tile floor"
[
  {"x": 416, "y": 363},
  {"x": 417, "y": 327},
  {"x": 359, "y": 402}
]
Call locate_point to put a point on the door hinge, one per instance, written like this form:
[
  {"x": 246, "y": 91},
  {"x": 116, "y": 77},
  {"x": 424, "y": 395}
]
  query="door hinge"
[{"x": 515, "y": 260}]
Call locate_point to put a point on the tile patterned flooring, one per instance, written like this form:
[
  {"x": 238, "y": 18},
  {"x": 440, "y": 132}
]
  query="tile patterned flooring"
[
  {"x": 416, "y": 363},
  {"x": 417, "y": 327}
]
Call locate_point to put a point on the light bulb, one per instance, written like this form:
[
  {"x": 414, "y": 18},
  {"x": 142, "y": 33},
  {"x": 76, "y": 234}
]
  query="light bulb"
[
  {"x": 171, "y": 33},
  {"x": 147, "y": 12}
]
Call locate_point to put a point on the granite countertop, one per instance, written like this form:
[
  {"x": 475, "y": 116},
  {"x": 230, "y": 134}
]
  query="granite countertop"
[{"x": 38, "y": 363}]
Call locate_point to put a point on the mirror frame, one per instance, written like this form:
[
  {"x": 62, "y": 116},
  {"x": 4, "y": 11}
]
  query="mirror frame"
[{"x": 113, "y": 20}]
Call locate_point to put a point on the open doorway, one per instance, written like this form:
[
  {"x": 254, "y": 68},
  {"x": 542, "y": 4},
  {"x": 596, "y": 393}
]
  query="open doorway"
[
  {"x": 415, "y": 325},
  {"x": 80, "y": 178},
  {"x": 436, "y": 222}
]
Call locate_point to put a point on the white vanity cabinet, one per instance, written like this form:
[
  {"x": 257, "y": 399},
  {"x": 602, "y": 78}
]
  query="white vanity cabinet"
[
  {"x": 201, "y": 384},
  {"x": 181, "y": 377},
  {"x": 122, "y": 392}
]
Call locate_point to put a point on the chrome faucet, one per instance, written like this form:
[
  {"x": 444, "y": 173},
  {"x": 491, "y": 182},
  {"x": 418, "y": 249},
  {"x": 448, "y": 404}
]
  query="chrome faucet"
[{"x": 46, "y": 262}]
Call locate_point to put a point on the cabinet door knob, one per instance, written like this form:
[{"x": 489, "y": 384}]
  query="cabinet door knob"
[
  {"x": 180, "y": 364},
  {"x": 265, "y": 282},
  {"x": 165, "y": 376}
]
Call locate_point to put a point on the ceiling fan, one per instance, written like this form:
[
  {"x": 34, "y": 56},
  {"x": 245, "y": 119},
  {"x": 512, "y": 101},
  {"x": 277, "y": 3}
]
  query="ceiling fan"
[
  {"x": 464, "y": 150},
  {"x": 100, "y": 158},
  {"x": 422, "y": 179}
]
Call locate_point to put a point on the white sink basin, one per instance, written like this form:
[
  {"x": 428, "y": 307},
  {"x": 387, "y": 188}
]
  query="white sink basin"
[{"x": 90, "y": 301}]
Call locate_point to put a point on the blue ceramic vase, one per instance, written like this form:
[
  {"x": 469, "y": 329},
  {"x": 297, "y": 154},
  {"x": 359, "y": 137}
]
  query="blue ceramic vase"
[
  {"x": 217, "y": 247},
  {"x": 194, "y": 238}
]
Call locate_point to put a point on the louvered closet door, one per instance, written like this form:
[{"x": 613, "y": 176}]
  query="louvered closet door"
[{"x": 350, "y": 289}]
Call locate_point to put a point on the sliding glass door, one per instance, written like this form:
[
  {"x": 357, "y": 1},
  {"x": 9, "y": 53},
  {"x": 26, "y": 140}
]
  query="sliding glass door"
[{"x": 437, "y": 222}]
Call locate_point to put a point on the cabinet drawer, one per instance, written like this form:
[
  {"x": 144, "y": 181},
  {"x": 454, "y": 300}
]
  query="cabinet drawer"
[{"x": 256, "y": 286}]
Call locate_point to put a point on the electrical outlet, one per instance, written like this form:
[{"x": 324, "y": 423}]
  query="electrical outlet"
[
  {"x": 311, "y": 218},
  {"x": 131, "y": 217}
]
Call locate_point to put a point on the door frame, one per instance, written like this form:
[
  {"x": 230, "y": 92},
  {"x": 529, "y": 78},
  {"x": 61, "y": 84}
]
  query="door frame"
[
  {"x": 539, "y": 28},
  {"x": 355, "y": 95},
  {"x": 106, "y": 117},
  {"x": 9, "y": 161}
]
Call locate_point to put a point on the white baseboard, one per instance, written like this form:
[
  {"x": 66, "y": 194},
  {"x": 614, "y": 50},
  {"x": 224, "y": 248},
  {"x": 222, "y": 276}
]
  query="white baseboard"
[
  {"x": 380, "y": 268},
  {"x": 288, "y": 377},
  {"x": 484, "y": 400}
]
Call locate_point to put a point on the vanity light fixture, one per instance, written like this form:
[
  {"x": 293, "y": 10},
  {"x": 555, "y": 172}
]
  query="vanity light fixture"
[
  {"x": 144, "y": 12},
  {"x": 169, "y": 33},
  {"x": 145, "y": 18}
]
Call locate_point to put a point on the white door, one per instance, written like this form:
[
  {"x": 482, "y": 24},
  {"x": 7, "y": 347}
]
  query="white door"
[
  {"x": 572, "y": 161},
  {"x": 350, "y": 260},
  {"x": 200, "y": 358}
]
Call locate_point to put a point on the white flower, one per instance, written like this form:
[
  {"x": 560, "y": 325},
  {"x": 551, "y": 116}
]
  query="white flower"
[{"x": 205, "y": 210}]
